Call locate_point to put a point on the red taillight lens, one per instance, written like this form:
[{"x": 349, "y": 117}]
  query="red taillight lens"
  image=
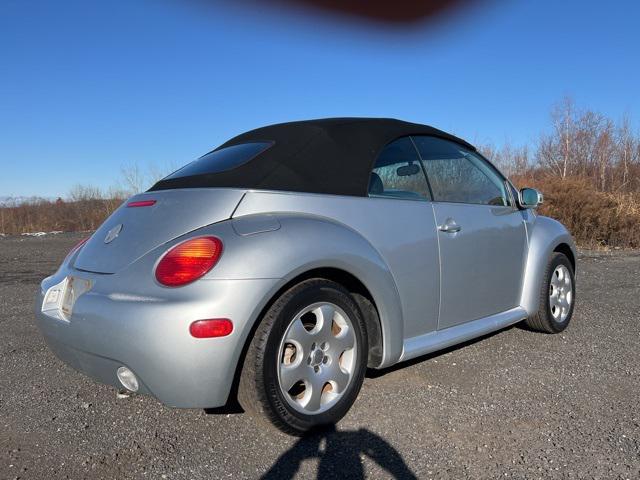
[
  {"x": 217, "y": 327},
  {"x": 188, "y": 261},
  {"x": 76, "y": 247}
]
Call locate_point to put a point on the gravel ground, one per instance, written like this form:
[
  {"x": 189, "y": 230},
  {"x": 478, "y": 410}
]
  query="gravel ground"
[{"x": 514, "y": 404}]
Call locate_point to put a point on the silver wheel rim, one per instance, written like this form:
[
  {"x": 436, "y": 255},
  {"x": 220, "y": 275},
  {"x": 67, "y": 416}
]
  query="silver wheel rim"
[
  {"x": 317, "y": 358},
  {"x": 560, "y": 293}
]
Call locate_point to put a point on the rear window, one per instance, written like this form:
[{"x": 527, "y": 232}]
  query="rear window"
[{"x": 221, "y": 160}]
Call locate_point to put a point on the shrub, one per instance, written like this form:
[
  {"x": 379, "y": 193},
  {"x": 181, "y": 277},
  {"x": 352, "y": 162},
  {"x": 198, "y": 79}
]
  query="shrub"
[
  {"x": 39, "y": 215},
  {"x": 595, "y": 219}
]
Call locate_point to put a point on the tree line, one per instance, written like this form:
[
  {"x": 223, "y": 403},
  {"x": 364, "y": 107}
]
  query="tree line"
[
  {"x": 586, "y": 164},
  {"x": 83, "y": 209},
  {"x": 581, "y": 143},
  {"x": 588, "y": 167}
]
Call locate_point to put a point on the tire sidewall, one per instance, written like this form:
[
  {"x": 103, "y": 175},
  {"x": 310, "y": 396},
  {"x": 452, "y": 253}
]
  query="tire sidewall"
[{"x": 310, "y": 294}]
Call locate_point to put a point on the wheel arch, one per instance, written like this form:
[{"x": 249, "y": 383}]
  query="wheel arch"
[
  {"x": 321, "y": 248},
  {"x": 361, "y": 295},
  {"x": 547, "y": 236},
  {"x": 565, "y": 249},
  {"x": 356, "y": 288},
  {"x": 308, "y": 245}
]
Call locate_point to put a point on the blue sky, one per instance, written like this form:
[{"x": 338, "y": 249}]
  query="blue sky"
[{"x": 87, "y": 87}]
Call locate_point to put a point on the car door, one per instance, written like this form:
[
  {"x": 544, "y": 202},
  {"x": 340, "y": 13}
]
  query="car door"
[
  {"x": 481, "y": 235},
  {"x": 404, "y": 230}
]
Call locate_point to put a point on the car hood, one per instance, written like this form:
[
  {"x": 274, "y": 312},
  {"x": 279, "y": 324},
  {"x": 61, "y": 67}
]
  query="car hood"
[{"x": 131, "y": 232}]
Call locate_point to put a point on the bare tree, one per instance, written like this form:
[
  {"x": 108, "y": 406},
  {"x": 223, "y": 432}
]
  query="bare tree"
[
  {"x": 133, "y": 179},
  {"x": 628, "y": 153},
  {"x": 556, "y": 149},
  {"x": 511, "y": 160}
]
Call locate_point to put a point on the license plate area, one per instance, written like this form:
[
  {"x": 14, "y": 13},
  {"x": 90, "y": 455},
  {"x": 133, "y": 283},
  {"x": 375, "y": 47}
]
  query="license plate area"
[{"x": 60, "y": 299}]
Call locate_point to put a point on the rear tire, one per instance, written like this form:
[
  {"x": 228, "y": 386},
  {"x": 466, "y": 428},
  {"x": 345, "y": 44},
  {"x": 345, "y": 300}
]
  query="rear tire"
[
  {"x": 314, "y": 331},
  {"x": 557, "y": 296}
]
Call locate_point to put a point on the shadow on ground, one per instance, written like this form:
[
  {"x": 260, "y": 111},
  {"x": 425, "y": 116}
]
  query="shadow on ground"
[
  {"x": 340, "y": 455},
  {"x": 376, "y": 373}
]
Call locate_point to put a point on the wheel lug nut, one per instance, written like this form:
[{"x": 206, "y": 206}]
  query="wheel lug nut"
[
  {"x": 325, "y": 359},
  {"x": 313, "y": 346},
  {"x": 323, "y": 345},
  {"x": 316, "y": 369}
]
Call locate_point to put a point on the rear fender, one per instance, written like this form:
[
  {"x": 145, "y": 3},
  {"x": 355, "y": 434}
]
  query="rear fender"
[{"x": 288, "y": 245}]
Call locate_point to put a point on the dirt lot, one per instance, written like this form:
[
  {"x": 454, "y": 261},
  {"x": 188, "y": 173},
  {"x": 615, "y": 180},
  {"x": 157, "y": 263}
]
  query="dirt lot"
[{"x": 514, "y": 404}]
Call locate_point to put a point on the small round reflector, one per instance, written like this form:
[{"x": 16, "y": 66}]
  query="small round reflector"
[
  {"x": 127, "y": 379},
  {"x": 188, "y": 261},
  {"x": 217, "y": 327}
]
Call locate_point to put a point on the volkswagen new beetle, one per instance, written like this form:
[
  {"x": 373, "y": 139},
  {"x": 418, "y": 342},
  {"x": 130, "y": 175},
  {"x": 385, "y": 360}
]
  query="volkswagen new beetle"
[{"x": 282, "y": 264}]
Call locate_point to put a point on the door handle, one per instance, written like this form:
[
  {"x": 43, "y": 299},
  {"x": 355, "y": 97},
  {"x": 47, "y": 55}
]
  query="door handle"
[{"x": 450, "y": 226}]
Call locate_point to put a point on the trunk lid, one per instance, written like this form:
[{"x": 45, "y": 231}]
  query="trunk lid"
[{"x": 131, "y": 232}]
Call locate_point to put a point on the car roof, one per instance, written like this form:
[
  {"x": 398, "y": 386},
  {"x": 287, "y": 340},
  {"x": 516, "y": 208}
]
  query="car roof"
[{"x": 330, "y": 156}]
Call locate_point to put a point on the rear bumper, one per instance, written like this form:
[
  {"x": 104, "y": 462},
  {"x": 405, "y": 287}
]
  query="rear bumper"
[{"x": 149, "y": 334}]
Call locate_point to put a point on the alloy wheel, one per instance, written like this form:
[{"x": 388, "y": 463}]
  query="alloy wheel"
[
  {"x": 560, "y": 293},
  {"x": 317, "y": 358}
]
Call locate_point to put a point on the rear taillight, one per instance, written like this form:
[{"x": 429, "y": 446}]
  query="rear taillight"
[
  {"x": 75, "y": 248},
  {"x": 188, "y": 261}
]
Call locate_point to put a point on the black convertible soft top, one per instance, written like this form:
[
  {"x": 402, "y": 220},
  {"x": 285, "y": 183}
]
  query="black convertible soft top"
[{"x": 331, "y": 156}]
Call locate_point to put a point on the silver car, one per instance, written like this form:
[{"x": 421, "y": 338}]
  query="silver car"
[{"x": 278, "y": 267}]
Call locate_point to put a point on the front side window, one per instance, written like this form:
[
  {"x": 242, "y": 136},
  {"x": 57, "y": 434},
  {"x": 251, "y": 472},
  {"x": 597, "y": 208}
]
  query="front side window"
[
  {"x": 221, "y": 160},
  {"x": 459, "y": 175},
  {"x": 397, "y": 173}
]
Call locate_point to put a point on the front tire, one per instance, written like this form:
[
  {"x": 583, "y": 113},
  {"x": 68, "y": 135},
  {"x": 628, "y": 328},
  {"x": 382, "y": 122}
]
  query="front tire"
[
  {"x": 557, "y": 296},
  {"x": 306, "y": 362}
]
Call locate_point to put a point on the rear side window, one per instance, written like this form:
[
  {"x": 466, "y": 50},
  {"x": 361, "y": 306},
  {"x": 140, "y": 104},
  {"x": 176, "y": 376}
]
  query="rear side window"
[
  {"x": 459, "y": 175},
  {"x": 398, "y": 174},
  {"x": 221, "y": 160}
]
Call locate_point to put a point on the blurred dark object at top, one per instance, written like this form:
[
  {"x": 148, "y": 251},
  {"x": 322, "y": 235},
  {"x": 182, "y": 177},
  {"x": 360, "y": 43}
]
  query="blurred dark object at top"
[{"x": 398, "y": 11}]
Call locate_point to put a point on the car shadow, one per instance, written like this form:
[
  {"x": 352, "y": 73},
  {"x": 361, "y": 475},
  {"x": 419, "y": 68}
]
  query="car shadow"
[
  {"x": 376, "y": 373},
  {"x": 233, "y": 407},
  {"x": 340, "y": 452},
  {"x": 340, "y": 455}
]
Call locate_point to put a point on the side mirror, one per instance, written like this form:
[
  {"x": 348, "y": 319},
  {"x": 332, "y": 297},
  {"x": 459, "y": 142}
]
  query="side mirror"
[{"x": 530, "y": 198}]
